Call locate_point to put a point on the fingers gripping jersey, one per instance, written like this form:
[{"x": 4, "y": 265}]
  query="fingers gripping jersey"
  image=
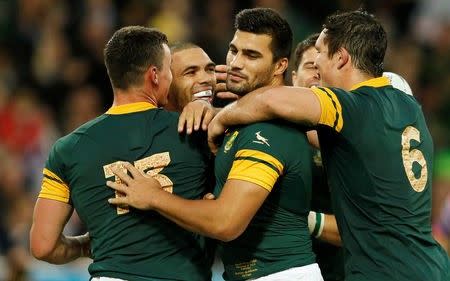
[
  {"x": 377, "y": 152},
  {"x": 127, "y": 243},
  {"x": 276, "y": 157}
]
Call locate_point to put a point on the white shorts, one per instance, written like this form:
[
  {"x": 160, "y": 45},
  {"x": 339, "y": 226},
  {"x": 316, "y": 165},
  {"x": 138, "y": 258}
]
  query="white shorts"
[
  {"x": 108, "y": 279},
  {"x": 310, "y": 272}
]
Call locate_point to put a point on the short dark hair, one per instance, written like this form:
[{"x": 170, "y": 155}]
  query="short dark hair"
[
  {"x": 302, "y": 47},
  {"x": 181, "y": 46},
  {"x": 129, "y": 53},
  {"x": 267, "y": 21},
  {"x": 362, "y": 35}
]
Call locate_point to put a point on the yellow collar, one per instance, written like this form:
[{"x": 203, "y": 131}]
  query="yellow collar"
[
  {"x": 130, "y": 108},
  {"x": 375, "y": 82}
]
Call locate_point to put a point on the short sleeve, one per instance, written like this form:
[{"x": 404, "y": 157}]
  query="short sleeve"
[
  {"x": 261, "y": 154},
  {"x": 331, "y": 115},
  {"x": 53, "y": 186}
]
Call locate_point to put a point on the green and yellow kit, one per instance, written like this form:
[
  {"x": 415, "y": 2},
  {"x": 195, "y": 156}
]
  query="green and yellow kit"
[
  {"x": 277, "y": 157},
  {"x": 127, "y": 243},
  {"x": 377, "y": 153},
  {"x": 330, "y": 258}
]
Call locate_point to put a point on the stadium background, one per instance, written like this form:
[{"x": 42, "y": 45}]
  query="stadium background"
[{"x": 52, "y": 79}]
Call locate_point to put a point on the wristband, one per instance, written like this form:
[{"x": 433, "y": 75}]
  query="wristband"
[{"x": 316, "y": 222}]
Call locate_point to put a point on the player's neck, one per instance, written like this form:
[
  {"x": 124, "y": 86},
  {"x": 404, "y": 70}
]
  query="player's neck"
[
  {"x": 171, "y": 107},
  {"x": 354, "y": 78},
  {"x": 133, "y": 95},
  {"x": 277, "y": 81}
]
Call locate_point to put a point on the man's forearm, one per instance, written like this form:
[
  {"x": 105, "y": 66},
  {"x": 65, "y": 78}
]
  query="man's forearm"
[
  {"x": 68, "y": 249},
  {"x": 205, "y": 217},
  {"x": 324, "y": 227},
  {"x": 330, "y": 231},
  {"x": 249, "y": 109},
  {"x": 294, "y": 104}
]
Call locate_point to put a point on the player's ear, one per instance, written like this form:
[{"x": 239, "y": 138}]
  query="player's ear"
[
  {"x": 281, "y": 66},
  {"x": 343, "y": 57},
  {"x": 294, "y": 77},
  {"x": 151, "y": 75}
]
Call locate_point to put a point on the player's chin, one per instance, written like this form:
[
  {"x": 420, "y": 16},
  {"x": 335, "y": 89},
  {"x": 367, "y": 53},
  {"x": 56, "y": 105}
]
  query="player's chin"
[{"x": 238, "y": 89}]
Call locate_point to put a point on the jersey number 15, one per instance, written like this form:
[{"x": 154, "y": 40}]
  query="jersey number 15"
[{"x": 151, "y": 166}]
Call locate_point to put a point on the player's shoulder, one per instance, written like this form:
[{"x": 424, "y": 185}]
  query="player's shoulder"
[
  {"x": 278, "y": 132},
  {"x": 331, "y": 91},
  {"x": 275, "y": 126},
  {"x": 87, "y": 129},
  {"x": 162, "y": 113}
]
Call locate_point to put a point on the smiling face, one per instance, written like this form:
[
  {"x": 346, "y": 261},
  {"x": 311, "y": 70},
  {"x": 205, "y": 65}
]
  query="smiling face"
[
  {"x": 306, "y": 75},
  {"x": 250, "y": 62},
  {"x": 193, "y": 72},
  {"x": 328, "y": 66}
]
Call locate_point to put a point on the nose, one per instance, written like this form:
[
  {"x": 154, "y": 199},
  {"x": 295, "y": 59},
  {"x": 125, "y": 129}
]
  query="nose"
[
  {"x": 207, "y": 77},
  {"x": 237, "y": 61},
  {"x": 317, "y": 74}
]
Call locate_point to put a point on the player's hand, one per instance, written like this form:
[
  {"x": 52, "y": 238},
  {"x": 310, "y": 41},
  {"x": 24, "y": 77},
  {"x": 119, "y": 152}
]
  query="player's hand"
[
  {"x": 221, "y": 86},
  {"x": 85, "y": 245},
  {"x": 215, "y": 130},
  {"x": 138, "y": 191},
  {"x": 195, "y": 114}
]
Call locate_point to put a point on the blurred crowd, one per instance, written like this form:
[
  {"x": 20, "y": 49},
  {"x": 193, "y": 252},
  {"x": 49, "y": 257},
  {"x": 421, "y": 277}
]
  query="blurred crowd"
[{"x": 52, "y": 79}]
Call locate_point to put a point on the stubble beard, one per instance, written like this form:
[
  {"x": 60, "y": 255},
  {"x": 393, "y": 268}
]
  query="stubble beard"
[{"x": 245, "y": 88}]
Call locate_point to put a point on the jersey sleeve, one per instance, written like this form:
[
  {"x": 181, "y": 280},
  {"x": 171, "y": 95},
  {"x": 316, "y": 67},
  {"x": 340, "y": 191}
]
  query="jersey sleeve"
[
  {"x": 259, "y": 158},
  {"x": 339, "y": 108},
  {"x": 53, "y": 185},
  {"x": 331, "y": 115}
]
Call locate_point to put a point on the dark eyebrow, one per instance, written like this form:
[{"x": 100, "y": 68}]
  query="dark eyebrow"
[
  {"x": 211, "y": 64},
  {"x": 190, "y": 67},
  {"x": 247, "y": 51},
  {"x": 252, "y": 52}
]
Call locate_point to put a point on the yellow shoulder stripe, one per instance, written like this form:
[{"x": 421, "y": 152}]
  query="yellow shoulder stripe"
[
  {"x": 257, "y": 167},
  {"x": 331, "y": 108},
  {"x": 49, "y": 173},
  {"x": 255, "y": 172},
  {"x": 54, "y": 188},
  {"x": 243, "y": 153}
]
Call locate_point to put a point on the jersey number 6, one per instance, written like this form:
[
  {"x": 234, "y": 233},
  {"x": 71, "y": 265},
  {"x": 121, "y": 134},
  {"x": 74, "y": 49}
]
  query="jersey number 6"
[{"x": 411, "y": 156}]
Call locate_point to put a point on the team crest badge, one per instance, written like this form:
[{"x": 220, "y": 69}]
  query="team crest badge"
[
  {"x": 230, "y": 142},
  {"x": 260, "y": 139}
]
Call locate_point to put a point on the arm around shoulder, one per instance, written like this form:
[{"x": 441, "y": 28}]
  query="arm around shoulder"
[{"x": 295, "y": 104}]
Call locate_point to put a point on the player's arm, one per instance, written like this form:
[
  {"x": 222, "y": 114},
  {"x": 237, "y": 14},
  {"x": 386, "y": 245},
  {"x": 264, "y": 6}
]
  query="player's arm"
[
  {"x": 295, "y": 104},
  {"x": 313, "y": 138},
  {"x": 224, "y": 218},
  {"x": 47, "y": 242},
  {"x": 324, "y": 227}
]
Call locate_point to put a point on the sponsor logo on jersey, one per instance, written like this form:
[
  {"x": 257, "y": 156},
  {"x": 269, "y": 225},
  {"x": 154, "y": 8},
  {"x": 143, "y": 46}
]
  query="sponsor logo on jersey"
[{"x": 230, "y": 142}]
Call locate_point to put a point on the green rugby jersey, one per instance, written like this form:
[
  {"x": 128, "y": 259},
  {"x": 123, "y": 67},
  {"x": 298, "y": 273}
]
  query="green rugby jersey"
[
  {"x": 377, "y": 152},
  {"x": 330, "y": 258},
  {"x": 127, "y": 243},
  {"x": 276, "y": 157}
]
